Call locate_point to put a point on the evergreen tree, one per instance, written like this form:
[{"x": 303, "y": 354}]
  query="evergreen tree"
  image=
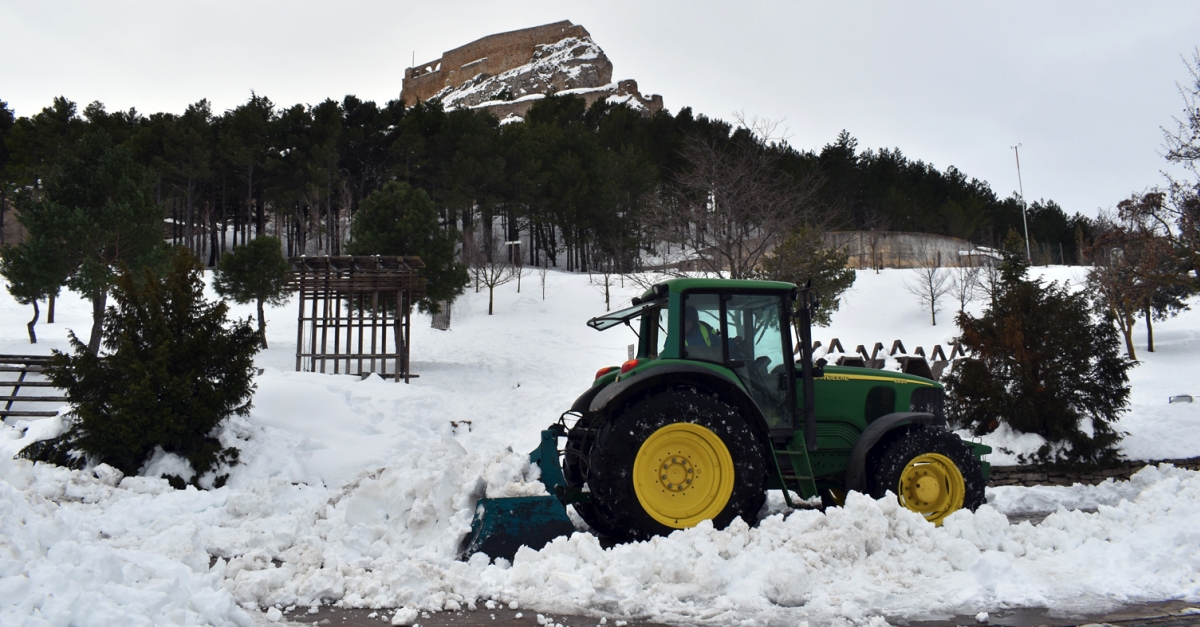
[
  {"x": 1043, "y": 361},
  {"x": 802, "y": 257},
  {"x": 255, "y": 272},
  {"x": 401, "y": 220},
  {"x": 7, "y": 122},
  {"x": 35, "y": 270},
  {"x": 175, "y": 368},
  {"x": 98, "y": 212}
]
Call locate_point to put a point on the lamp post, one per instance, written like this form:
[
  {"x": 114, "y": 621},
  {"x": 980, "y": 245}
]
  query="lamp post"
[{"x": 1024, "y": 214}]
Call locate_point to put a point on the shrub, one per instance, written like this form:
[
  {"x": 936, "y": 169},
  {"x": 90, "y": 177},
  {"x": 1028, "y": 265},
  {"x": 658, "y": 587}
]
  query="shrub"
[
  {"x": 1045, "y": 362},
  {"x": 173, "y": 369}
]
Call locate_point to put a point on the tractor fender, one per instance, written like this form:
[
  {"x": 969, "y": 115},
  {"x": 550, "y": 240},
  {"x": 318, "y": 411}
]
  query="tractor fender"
[
  {"x": 583, "y": 404},
  {"x": 856, "y": 472},
  {"x": 615, "y": 394}
]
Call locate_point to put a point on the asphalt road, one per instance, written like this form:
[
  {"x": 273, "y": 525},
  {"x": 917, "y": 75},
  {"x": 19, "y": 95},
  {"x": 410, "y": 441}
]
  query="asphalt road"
[{"x": 1163, "y": 614}]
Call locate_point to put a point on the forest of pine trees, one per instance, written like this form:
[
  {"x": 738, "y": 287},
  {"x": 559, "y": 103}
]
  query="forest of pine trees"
[{"x": 574, "y": 185}]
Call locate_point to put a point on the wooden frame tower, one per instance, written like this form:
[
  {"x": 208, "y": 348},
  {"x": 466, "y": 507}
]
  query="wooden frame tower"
[{"x": 349, "y": 307}]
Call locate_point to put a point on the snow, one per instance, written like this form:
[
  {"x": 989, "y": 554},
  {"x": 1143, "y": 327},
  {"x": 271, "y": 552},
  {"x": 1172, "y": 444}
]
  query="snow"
[{"x": 358, "y": 491}]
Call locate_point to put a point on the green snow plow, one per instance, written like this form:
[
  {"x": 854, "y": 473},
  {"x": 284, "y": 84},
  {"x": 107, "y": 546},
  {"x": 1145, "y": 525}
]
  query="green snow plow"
[{"x": 714, "y": 411}]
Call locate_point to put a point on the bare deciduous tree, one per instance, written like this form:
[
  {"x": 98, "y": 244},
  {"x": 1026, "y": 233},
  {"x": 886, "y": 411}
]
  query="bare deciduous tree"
[
  {"x": 490, "y": 267},
  {"x": 929, "y": 284},
  {"x": 966, "y": 283},
  {"x": 731, "y": 204}
]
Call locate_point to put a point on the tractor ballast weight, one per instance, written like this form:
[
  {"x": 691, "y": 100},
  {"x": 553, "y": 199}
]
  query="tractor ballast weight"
[{"x": 714, "y": 410}]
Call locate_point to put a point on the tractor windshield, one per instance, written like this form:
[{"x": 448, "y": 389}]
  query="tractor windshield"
[{"x": 612, "y": 319}]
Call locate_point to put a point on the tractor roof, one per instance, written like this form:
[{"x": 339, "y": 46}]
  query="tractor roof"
[{"x": 682, "y": 285}]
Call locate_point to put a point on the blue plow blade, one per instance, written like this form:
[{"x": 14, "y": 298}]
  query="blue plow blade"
[{"x": 503, "y": 525}]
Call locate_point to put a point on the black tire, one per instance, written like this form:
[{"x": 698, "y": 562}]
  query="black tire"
[
  {"x": 620, "y": 441},
  {"x": 923, "y": 454},
  {"x": 576, "y": 472}
]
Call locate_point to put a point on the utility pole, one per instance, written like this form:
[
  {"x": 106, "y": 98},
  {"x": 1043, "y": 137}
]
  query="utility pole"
[{"x": 1024, "y": 213}]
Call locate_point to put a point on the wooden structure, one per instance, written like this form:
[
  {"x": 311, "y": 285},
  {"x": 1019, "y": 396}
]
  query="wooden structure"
[
  {"x": 28, "y": 369},
  {"x": 356, "y": 313}
]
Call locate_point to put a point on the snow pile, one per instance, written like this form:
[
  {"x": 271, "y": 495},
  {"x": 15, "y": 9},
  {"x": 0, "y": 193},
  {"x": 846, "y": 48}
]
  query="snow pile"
[{"x": 63, "y": 561}]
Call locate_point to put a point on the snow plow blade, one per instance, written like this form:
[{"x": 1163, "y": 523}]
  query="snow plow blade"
[{"x": 503, "y": 525}]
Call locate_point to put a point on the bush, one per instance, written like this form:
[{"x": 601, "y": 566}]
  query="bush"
[
  {"x": 1045, "y": 362},
  {"x": 174, "y": 368}
]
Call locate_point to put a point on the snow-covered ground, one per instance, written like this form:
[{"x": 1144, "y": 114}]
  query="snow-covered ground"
[{"x": 358, "y": 491}]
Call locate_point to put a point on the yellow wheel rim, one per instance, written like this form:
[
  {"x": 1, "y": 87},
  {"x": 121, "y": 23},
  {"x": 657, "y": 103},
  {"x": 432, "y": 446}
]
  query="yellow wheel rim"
[
  {"x": 932, "y": 485},
  {"x": 683, "y": 474}
]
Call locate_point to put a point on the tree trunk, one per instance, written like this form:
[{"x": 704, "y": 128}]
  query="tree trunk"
[
  {"x": 1149, "y": 330},
  {"x": 491, "y": 291},
  {"x": 441, "y": 319},
  {"x": 36, "y": 313},
  {"x": 262, "y": 323},
  {"x": 99, "y": 301},
  {"x": 3, "y": 209},
  {"x": 1126, "y": 323},
  {"x": 50, "y": 309}
]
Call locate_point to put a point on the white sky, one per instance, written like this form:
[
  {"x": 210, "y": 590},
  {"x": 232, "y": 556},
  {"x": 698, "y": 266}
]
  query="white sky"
[{"x": 1083, "y": 86}]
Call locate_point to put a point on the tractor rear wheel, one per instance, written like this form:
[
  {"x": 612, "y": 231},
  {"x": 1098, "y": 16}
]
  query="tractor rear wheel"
[
  {"x": 931, "y": 471},
  {"x": 674, "y": 458}
]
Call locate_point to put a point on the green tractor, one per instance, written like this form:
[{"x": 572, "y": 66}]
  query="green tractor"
[{"x": 714, "y": 410}]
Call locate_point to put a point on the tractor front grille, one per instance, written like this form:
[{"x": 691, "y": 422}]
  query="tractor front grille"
[{"x": 929, "y": 400}]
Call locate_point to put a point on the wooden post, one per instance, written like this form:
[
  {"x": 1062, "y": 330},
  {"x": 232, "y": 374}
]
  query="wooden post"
[
  {"x": 337, "y": 332},
  {"x": 374, "y": 326},
  {"x": 361, "y": 312},
  {"x": 325, "y": 294},
  {"x": 300, "y": 320}
]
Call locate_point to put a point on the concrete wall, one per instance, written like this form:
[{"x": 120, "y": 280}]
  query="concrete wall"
[
  {"x": 488, "y": 55},
  {"x": 897, "y": 249}
]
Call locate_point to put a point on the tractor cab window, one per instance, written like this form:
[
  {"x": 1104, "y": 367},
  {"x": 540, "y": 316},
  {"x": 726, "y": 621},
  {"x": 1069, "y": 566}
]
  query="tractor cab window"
[
  {"x": 653, "y": 335},
  {"x": 757, "y": 343},
  {"x": 659, "y": 321},
  {"x": 701, "y": 327}
]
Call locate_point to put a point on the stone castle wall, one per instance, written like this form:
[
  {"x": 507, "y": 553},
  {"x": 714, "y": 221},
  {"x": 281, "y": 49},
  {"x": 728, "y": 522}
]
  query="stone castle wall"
[{"x": 488, "y": 55}]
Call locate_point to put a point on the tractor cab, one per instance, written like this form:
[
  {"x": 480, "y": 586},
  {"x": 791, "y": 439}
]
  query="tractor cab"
[{"x": 738, "y": 327}]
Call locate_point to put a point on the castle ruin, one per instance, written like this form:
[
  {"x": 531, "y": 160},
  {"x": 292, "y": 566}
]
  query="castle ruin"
[{"x": 506, "y": 72}]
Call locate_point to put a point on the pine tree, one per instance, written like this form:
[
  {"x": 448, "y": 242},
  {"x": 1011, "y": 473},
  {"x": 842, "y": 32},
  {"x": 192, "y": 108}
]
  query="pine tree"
[
  {"x": 255, "y": 272},
  {"x": 401, "y": 220},
  {"x": 802, "y": 257},
  {"x": 174, "y": 369},
  {"x": 98, "y": 212},
  {"x": 35, "y": 270},
  {"x": 1042, "y": 361}
]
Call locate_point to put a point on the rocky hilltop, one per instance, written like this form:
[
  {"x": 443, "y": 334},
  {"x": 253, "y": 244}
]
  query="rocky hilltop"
[{"x": 507, "y": 72}]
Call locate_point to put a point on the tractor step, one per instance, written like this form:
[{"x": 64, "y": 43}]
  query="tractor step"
[{"x": 801, "y": 479}]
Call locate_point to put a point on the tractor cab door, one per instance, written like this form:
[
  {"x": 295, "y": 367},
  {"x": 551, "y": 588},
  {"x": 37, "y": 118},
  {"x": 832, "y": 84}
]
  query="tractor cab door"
[
  {"x": 758, "y": 343},
  {"x": 750, "y": 335}
]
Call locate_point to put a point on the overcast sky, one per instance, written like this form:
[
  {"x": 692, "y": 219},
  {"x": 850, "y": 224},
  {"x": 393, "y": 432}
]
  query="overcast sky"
[{"x": 1084, "y": 87}]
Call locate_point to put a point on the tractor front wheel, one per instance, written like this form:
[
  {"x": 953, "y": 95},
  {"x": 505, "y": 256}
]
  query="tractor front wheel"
[
  {"x": 673, "y": 459},
  {"x": 931, "y": 471}
]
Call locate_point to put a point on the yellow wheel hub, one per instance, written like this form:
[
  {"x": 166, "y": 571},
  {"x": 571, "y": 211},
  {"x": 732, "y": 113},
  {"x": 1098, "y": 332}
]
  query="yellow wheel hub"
[
  {"x": 932, "y": 485},
  {"x": 683, "y": 474}
]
